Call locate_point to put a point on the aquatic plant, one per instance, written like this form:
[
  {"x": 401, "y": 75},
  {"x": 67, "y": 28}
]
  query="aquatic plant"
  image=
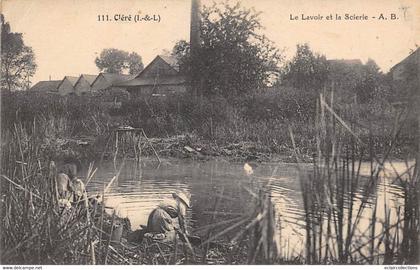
[{"x": 341, "y": 204}]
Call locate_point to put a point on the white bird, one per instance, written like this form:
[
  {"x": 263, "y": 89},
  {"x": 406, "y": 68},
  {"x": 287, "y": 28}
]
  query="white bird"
[{"x": 248, "y": 169}]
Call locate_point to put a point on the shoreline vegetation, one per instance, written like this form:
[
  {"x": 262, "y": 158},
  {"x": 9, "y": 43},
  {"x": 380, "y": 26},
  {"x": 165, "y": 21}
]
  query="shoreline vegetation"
[
  {"x": 242, "y": 103},
  {"x": 38, "y": 231},
  {"x": 84, "y": 128}
]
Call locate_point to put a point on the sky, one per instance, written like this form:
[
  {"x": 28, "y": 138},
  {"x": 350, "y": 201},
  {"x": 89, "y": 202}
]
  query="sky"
[{"x": 66, "y": 35}]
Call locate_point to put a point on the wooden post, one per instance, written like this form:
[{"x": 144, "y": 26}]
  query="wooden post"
[
  {"x": 151, "y": 145},
  {"x": 116, "y": 150}
]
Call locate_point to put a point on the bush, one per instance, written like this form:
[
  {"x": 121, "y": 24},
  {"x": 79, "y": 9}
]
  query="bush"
[{"x": 262, "y": 117}]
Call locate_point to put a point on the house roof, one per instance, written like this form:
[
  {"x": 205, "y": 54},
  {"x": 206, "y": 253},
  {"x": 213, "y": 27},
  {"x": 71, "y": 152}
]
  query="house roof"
[
  {"x": 89, "y": 78},
  {"x": 346, "y": 61},
  {"x": 115, "y": 78},
  {"x": 46, "y": 86},
  {"x": 163, "y": 80},
  {"x": 72, "y": 79},
  {"x": 406, "y": 59},
  {"x": 171, "y": 60}
]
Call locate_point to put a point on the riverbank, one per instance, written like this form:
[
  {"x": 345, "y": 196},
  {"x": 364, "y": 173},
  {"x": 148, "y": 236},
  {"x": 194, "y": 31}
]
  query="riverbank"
[
  {"x": 182, "y": 147},
  {"x": 71, "y": 133},
  {"x": 249, "y": 128},
  {"x": 186, "y": 146},
  {"x": 128, "y": 248},
  {"x": 117, "y": 244},
  {"x": 30, "y": 203}
]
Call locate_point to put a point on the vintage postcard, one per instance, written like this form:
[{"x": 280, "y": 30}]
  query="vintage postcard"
[{"x": 226, "y": 132}]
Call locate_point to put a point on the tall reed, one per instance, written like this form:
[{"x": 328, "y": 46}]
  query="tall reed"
[
  {"x": 35, "y": 230},
  {"x": 35, "y": 227},
  {"x": 343, "y": 213}
]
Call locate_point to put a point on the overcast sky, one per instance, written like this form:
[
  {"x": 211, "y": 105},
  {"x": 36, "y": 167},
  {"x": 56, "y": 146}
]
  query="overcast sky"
[{"x": 66, "y": 35}]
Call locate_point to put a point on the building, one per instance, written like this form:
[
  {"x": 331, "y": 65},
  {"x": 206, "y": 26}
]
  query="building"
[
  {"x": 83, "y": 84},
  {"x": 406, "y": 78},
  {"x": 109, "y": 80},
  {"x": 159, "y": 78},
  {"x": 406, "y": 87},
  {"x": 408, "y": 68},
  {"x": 66, "y": 86},
  {"x": 46, "y": 86}
]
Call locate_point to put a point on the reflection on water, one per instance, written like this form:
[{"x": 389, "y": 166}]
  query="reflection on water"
[{"x": 138, "y": 192}]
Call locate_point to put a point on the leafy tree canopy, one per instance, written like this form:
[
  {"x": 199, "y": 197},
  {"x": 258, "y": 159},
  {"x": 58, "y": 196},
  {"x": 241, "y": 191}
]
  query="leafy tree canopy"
[
  {"x": 18, "y": 60},
  {"x": 370, "y": 83},
  {"x": 233, "y": 57},
  {"x": 118, "y": 61},
  {"x": 307, "y": 70},
  {"x": 311, "y": 72}
]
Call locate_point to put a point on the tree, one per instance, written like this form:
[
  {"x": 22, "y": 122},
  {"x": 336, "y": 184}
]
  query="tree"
[
  {"x": 118, "y": 61},
  {"x": 181, "y": 51},
  {"x": 18, "y": 60},
  {"x": 344, "y": 75},
  {"x": 307, "y": 74},
  {"x": 135, "y": 65},
  {"x": 307, "y": 71},
  {"x": 370, "y": 82},
  {"x": 233, "y": 58}
]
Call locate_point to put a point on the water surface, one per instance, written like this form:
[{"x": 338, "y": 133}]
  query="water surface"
[{"x": 138, "y": 191}]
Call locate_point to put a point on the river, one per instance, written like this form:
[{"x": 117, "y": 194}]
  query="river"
[{"x": 138, "y": 191}]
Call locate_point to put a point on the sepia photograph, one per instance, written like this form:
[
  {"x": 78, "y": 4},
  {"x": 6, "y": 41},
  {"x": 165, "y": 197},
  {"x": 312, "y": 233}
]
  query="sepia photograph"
[{"x": 210, "y": 132}]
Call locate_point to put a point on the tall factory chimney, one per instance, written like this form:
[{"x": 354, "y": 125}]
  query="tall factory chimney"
[
  {"x": 195, "y": 39},
  {"x": 195, "y": 25}
]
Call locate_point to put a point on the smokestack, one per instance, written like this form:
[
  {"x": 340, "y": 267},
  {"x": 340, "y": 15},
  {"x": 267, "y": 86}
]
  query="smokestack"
[
  {"x": 195, "y": 25},
  {"x": 50, "y": 77},
  {"x": 195, "y": 29}
]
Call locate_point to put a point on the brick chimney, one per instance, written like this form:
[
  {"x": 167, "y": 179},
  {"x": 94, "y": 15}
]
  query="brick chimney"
[
  {"x": 195, "y": 39},
  {"x": 195, "y": 25}
]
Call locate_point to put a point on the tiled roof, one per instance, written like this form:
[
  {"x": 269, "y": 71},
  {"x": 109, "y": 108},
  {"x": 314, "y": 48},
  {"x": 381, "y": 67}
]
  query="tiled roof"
[
  {"x": 346, "y": 61},
  {"x": 71, "y": 79},
  {"x": 89, "y": 78},
  {"x": 115, "y": 78},
  {"x": 171, "y": 60},
  {"x": 162, "y": 80},
  {"x": 46, "y": 86},
  {"x": 406, "y": 59}
]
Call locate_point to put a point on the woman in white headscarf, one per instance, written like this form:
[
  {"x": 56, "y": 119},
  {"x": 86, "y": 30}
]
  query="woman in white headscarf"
[{"x": 162, "y": 219}]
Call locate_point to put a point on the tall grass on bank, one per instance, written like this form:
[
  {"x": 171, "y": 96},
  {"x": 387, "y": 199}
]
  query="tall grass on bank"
[
  {"x": 35, "y": 229},
  {"x": 346, "y": 219},
  {"x": 252, "y": 232},
  {"x": 260, "y": 117},
  {"x": 407, "y": 243}
]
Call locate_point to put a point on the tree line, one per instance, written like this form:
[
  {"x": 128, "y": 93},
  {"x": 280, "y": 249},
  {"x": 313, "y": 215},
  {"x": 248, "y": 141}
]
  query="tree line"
[
  {"x": 234, "y": 58},
  {"x": 18, "y": 63}
]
